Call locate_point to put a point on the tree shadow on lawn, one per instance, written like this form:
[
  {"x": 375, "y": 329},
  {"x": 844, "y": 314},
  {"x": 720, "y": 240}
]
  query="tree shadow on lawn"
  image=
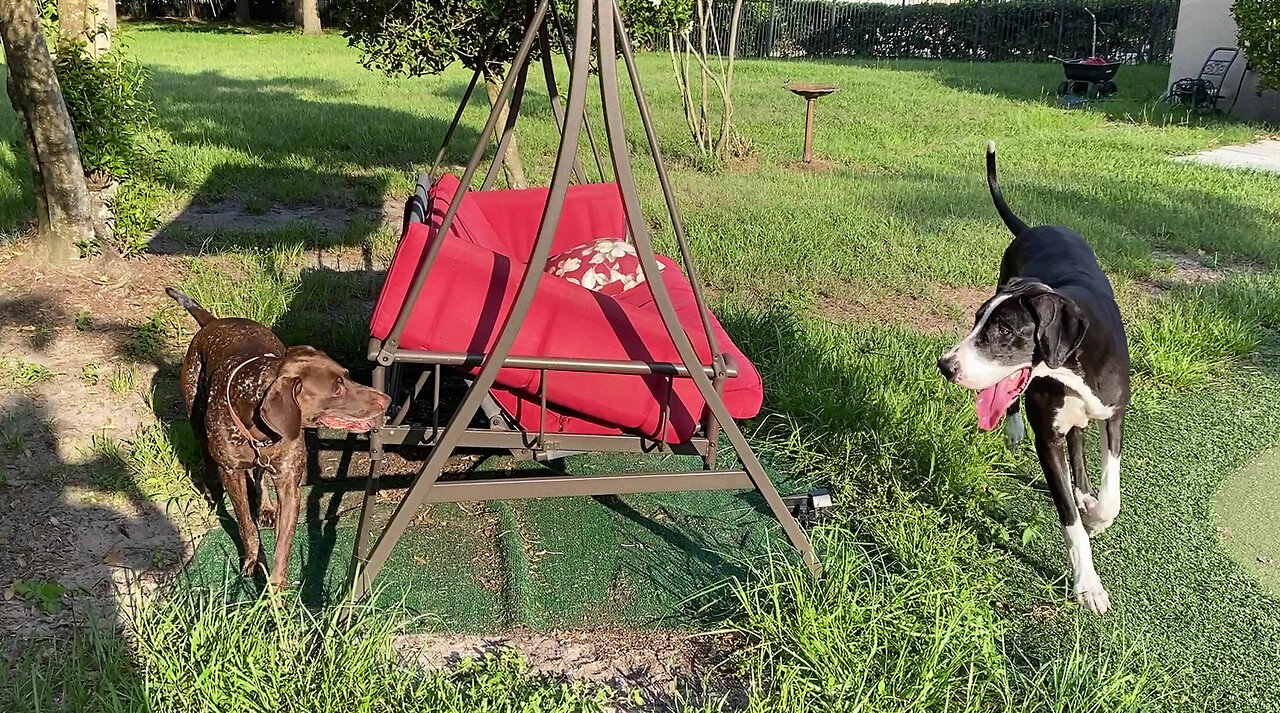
[
  {"x": 1123, "y": 219},
  {"x": 273, "y": 148},
  {"x": 84, "y": 535},
  {"x": 215, "y": 27},
  {"x": 1138, "y": 100}
]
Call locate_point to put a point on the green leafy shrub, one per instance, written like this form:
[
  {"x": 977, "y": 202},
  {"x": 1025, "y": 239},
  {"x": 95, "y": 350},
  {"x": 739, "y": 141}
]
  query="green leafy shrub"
[
  {"x": 1259, "y": 23},
  {"x": 1021, "y": 30},
  {"x": 108, "y": 108},
  {"x": 420, "y": 37},
  {"x": 648, "y": 23}
]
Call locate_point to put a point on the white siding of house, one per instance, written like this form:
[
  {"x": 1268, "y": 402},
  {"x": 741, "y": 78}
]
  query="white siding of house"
[{"x": 1203, "y": 25}]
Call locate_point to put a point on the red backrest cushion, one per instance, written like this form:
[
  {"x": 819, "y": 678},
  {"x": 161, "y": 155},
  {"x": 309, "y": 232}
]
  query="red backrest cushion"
[
  {"x": 591, "y": 210},
  {"x": 470, "y": 223}
]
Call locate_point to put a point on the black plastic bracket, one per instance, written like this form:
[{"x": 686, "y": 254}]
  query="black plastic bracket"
[{"x": 813, "y": 506}]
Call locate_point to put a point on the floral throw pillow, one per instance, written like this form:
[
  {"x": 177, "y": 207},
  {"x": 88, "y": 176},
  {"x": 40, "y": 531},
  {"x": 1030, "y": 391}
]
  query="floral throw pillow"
[{"x": 608, "y": 266}]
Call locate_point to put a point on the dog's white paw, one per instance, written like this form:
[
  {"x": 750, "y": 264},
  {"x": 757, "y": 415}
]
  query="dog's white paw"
[
  {"x": 1096, "y": 513},
  {"x": 1092, "y": 596},
  {"x": 1084, "y": 500},
  {"x": 1015, "y": 429}
]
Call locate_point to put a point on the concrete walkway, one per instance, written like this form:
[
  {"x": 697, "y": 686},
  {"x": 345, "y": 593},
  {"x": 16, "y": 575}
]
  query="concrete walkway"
[{"x": 1261, "y": 156}]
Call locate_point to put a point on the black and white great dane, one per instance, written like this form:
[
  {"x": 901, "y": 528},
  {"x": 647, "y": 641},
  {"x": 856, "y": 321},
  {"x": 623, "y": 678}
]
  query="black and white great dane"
[{"x": 1052, "y": 334}]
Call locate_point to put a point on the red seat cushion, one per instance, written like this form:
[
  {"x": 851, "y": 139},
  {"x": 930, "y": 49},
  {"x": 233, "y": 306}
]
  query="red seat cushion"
[{"x": 469, "y": 293}]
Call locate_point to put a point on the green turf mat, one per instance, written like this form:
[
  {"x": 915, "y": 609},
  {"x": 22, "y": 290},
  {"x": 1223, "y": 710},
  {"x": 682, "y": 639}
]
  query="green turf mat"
[
  {"x": 447, "y": 566},
  {"x": 563, "y": 562},
  {"x": 1248, "y": 508},
  {"x": 1178, "y": 592}
]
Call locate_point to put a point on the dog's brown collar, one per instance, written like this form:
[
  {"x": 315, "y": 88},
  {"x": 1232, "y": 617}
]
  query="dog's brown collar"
[{"x": 259, "y": 459}]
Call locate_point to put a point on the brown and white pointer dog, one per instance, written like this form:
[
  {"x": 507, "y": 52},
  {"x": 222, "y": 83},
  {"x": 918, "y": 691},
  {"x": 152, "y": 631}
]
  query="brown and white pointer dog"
[
  {"x": 249, "y": 398},
  {"x": 1052, "y": 334}
]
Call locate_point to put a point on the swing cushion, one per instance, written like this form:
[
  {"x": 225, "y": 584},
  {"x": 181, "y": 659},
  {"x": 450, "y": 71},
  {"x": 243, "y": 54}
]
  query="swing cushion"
[
  {"x": 473, "y": 284},
  {"x": 609, "y": 266}
]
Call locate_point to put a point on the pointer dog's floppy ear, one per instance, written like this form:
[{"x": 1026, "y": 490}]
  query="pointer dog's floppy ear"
[
  {"x": 1060, "y": 327},
  {"x": 279, "y": 409}
]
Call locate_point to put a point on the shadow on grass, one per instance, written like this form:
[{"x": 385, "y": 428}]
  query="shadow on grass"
[
  {"x": 215, "y": 27},
  {"x": 1124, "y": 220},
  {"x": 77, "y": 532},
  {"x": 1138, "y": 100},
  {"x": 282, "y": 155}
]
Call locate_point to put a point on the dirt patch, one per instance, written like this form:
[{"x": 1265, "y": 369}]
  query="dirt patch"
[
  {"x": 663, "y": 666},
  {"x": 817, "y": 165},
  {"x": 74, "y": 525},
  {"x": 947, "y": 309},
  {"x": 1195, "y": 269},
  {"x": 745, "y": 164},
  {"x": 239, "y": 216},
  {"x": 110, "y": 289}
]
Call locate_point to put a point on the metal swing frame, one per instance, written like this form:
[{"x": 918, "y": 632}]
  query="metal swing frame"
[{"x": 369, "y": 556}]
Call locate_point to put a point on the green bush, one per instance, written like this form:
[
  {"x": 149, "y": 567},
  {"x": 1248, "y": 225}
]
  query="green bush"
[
  {"x": 107, "y": 106},
  {"x": 422, "y": 37},
  {"x": 648, "y": 23},
  {"x": 1023, "y": 30},
  {"x": 1259, "y": 23}
]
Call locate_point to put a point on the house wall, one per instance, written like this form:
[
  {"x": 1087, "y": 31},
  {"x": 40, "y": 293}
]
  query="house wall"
[{"x": 1203, "y": 25}]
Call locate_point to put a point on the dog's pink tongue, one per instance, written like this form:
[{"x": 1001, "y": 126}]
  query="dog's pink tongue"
[{"x": 992, "y": 402}]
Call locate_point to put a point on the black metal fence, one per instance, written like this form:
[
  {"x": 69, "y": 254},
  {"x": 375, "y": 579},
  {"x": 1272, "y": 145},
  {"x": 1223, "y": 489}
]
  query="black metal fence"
[{"x": 1131, "y": 31}]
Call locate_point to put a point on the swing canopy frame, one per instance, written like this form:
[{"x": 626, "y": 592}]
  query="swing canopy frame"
[{"x": 457, "y": 295}]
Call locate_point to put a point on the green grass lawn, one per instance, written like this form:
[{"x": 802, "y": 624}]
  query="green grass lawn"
[{"x": 946, "y": 588}]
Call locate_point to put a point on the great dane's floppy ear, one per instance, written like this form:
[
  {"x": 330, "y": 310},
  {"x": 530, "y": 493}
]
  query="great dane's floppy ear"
[
  {"x": 1060, "y": 327},
  {"x": 279, "y": 409}
]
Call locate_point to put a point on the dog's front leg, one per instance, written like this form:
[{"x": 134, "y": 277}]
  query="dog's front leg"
[
  {"x": 236, "y": 483},
  {"x": 1079, "y": 472},
  {"x": 266, "y": 508},
  {"x": 1015, "y": 429},
  {"x": 1099, "y": 512},
  {"x": 288, "y": 475},
  {"x": 1050, "y": 448}
]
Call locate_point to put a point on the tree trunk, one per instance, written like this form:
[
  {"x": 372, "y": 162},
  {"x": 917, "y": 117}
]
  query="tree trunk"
[
  {"x": 726, "y": 118},
  {"x": 307, "y": 14},
  {"x": 512, "y": 166},
  {"x": 242, "y": 11},
  {"x": 57, "y": 177},
  {"x": 88, "y": 21}
]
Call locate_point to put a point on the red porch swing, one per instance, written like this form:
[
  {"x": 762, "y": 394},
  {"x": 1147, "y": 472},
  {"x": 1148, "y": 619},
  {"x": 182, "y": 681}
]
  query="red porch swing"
[{"x": 553, "y": 367}]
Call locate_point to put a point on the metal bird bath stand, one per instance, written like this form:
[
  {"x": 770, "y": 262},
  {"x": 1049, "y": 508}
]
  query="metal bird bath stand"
[{"x": 811, "y": 93}]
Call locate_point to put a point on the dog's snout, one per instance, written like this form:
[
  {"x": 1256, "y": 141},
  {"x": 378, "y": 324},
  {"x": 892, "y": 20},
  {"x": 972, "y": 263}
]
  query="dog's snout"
[{"x": 948, "y": 365}]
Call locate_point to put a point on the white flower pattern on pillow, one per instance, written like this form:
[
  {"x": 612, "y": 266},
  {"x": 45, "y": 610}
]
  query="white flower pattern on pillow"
[{"x": 608, "y": 265}]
